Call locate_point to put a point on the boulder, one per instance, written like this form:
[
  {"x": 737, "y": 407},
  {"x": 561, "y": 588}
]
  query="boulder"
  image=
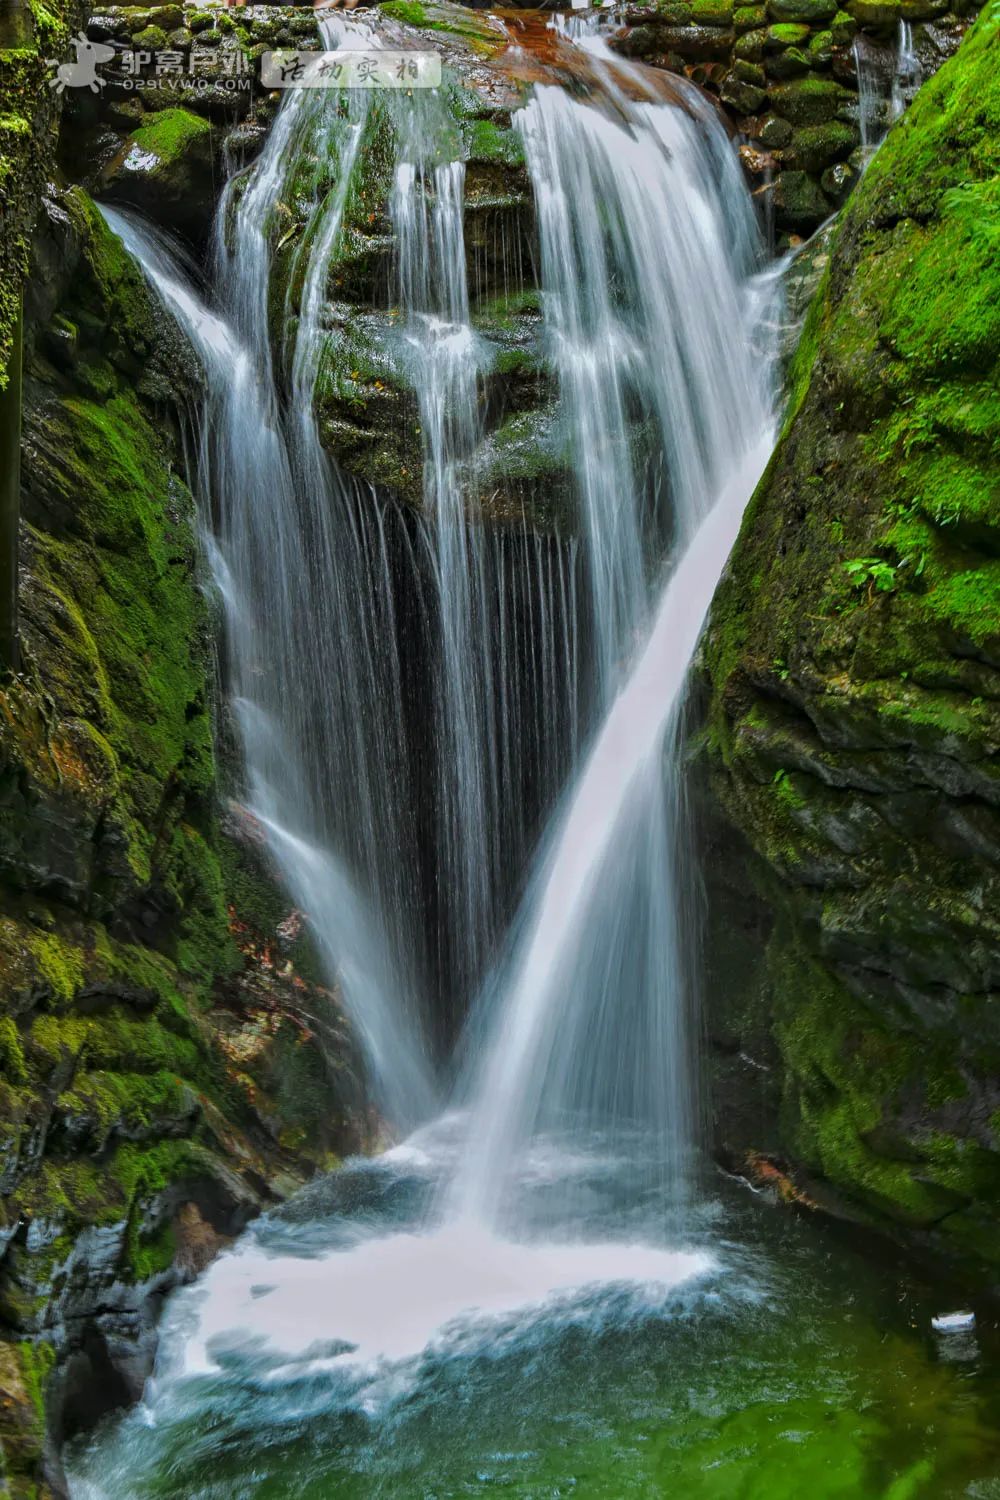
[{"x": 168, "y": 169}]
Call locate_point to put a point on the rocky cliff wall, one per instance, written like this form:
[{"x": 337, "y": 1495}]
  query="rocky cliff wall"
[{"x": 853, "y": 659}]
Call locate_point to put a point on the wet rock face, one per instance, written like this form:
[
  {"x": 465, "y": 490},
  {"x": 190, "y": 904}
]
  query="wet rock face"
[
  {"x": 853, "y": 725},
  {"x": 160, "y": 144},
  {"x": 367, "y": 398},
  {"x": 29, "y": 114},
  {"x": 785, "y": 72}
]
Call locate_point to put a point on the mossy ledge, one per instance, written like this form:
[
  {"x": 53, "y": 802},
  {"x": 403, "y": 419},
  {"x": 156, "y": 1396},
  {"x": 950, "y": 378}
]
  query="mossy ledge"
[{"x": 853, "y": 722}]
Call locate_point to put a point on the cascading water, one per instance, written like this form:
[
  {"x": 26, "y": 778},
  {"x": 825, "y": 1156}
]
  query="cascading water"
[
  {"x": 591, "y": 1005},
  {"x": 302, "y": 569},
  {"x": 908, "y": 74},
  {"x": 447, "y": 360},
  {"x": 261, "y": 554},
  {"x": 317, "y": 576},
  {"x": 887, "y": 83},
  {"x": 652, "y": 353},
  {"x": 618, "y": 1337},
  {"x": 663, "y": 409}
]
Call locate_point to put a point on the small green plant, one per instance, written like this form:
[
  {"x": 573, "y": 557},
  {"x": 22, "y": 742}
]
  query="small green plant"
[
  {"x": 872, "y": 573},
  {"x": 781, "y": 668},
  {"x": 946, "y": 513}
]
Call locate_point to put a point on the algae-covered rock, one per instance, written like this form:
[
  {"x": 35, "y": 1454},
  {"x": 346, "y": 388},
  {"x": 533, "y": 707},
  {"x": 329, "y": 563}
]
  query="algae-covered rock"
[
  {"x": 168, "y": 169},
  {"x": 854, "y": 652}
]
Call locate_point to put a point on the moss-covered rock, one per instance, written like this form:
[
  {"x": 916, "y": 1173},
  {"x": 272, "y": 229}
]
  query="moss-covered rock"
[
  {"x": 790, "y": 63},
  {"x": 875, "y": 13},
  {"x": 854, "y": 654},
  {"x": 810, "y": 11},
  {"x": 367, "y": 391},
  {"x": 816, "y": 146},
  {"x": 798, "y": 201},
  {"x": 474, "y": 32},
  {"x": 168, "y": 168},
  {"x": 843, "y": 29},
  {"x": 784, "y": 34},
  {"x": 809, "y": 101},
  {"x": 25, "y": 1371}
]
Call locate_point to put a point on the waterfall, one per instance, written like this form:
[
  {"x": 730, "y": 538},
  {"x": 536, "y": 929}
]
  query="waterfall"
[
  {"x": 263, "y": 557},
  {"x": 871, "y": 102},
  {"x": 495, "y": 766},
  {"x": 302, "y": 565},
  {"x": 887, "y": 82},
  {"x": 656, "y": 332},
  {"x": 592, "y": 1025},
  {"x": 446, "y": 360},
  {"x": 630, "y": 217},
  {"x": 590, "y": 1009},
  {"x": 524, "y": 1294},
  {"x": 325, "y": 584},
  {"x": 554, "y": 1197},
  {"x": 908, "y": 74}
]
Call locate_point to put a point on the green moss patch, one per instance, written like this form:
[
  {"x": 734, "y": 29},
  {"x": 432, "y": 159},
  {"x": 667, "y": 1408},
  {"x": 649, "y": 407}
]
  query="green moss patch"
[{"x": 169, "y": 134}]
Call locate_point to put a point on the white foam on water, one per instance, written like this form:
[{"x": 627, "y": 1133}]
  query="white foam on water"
[{"x": 386, "y": 1301}]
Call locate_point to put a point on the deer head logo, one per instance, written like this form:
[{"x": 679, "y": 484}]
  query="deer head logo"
[{"x": 82, "y": 73}]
